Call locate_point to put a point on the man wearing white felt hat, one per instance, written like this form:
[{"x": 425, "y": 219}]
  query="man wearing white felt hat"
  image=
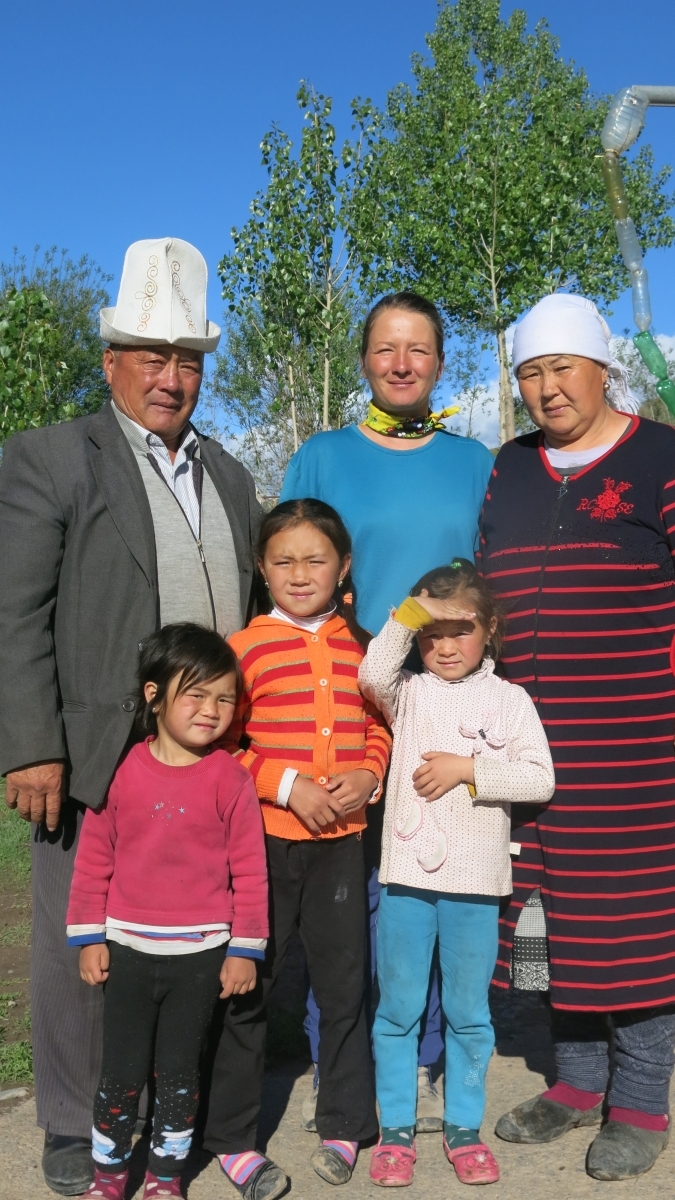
[{"x": 110, "y": 526}]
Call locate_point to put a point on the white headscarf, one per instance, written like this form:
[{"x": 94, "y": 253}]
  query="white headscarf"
[{"x": 562, "y": 324}]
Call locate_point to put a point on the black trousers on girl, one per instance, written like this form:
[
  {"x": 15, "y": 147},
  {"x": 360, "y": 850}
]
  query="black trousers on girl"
[
  {"x": 165, "y": 1003},
  {"x": 320, "y": 887}
]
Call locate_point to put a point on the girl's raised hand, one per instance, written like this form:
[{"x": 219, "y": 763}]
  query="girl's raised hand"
[
  {"x": 238, "y": 976},
  {"x": 353, "y": 789},
  {"x": 443, "y": 610},
  {"x": 94, "y": 963},
  {"x": 440, "y": 773},
  {"x": 313, "y": 804}
]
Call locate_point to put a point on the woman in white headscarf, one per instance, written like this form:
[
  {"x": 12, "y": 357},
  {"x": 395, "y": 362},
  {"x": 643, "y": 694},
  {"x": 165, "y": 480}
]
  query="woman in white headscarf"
[{"x": 578, "y": 537}]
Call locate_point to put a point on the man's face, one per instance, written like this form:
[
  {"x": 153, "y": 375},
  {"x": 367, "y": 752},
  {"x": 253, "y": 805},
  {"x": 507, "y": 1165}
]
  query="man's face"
[{"x": 158, "y": 387}]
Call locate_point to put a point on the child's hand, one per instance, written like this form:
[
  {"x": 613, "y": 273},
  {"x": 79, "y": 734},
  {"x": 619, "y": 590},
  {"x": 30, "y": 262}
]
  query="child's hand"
[
  {"x": 353, "y": 789},
  {"x": 313, "y": 804},
  {"x": 238, "y": 976},
  {"x": 440, "y": 773},
  {"x": 94, "y": 963},
  {"x": 443, "y": 610}
]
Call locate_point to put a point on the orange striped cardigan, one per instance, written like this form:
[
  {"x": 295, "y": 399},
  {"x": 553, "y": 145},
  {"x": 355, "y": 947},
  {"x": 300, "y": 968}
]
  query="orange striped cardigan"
[{"x": 301, "y": 707}]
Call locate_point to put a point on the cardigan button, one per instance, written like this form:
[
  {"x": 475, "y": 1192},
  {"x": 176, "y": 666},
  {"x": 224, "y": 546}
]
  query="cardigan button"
[
  {"x": 326, "y": 732},
  {"x": 322, "y": 779},
  {"x": 314, "y": 637},
  {"x": 323, "y": 682},
  {"x": 128, "y": 705}
]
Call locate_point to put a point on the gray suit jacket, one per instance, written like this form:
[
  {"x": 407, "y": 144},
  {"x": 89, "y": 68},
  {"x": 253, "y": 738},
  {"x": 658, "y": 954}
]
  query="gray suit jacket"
[{"x": 78, "y": 590}]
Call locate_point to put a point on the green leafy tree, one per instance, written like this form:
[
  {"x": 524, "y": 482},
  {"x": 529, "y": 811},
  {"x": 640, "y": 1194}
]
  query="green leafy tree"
[
  {"x": 480, "y": 187},
  {"x": 31, "y": 372},
  {"x": 75, "y": 291},
  {"x": 247, "y": 397},
  {"x": 290, "y": 278}
]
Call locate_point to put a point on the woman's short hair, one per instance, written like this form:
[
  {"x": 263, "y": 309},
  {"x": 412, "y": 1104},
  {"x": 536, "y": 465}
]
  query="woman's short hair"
[{"x": 407, "y": 302}]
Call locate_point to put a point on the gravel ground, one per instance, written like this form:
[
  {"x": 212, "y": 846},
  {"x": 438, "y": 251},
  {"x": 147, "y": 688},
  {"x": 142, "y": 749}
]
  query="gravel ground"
[{"x": 555, "y": 1172}]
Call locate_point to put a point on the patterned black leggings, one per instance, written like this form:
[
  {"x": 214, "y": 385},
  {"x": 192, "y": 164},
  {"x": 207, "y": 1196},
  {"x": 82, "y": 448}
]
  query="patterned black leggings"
[{"x": 162, "y": 1003}]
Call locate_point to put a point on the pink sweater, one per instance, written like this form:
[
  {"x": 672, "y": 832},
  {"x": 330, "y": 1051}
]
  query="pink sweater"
[{"x": 172, "y": 847}]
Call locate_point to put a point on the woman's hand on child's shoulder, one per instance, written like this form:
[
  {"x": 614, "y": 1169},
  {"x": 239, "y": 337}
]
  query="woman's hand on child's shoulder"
[
  {"x": 94, "y": 963},
  {"x": 313, "y": 804},
  {"x": 440, "y": 773},
  {"x": 443, "y": 610},
  {"x": 238, "y": 976},
  {"x": 353, "y": 789}
]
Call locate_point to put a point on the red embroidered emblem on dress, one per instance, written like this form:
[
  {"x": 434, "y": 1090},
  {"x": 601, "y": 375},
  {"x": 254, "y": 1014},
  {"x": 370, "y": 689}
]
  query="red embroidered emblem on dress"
[{"x": 608, "y": 504}]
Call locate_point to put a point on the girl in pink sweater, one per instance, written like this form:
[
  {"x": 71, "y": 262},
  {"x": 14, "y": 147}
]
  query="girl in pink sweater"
[{"x": 168, "y": 901}]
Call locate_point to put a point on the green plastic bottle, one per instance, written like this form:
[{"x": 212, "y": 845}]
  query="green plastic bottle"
[
  {"x": 666, "y": 390},
  {"x": 651, "y": 355}
]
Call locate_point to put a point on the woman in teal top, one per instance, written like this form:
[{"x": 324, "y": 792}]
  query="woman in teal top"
[{"x": 410, "y": 494}]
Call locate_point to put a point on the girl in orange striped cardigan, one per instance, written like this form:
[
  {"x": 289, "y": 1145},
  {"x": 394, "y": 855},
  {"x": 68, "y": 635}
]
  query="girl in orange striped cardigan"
[{"x": 318, "y": 753}]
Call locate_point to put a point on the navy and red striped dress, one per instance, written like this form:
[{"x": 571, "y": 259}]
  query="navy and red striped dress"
[{"x": 584, "y": 564}]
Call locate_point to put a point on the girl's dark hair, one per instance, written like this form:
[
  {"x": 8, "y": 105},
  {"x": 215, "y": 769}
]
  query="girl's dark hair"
[
  {"x": 292, "y": 513},
  {"x": 409, "y": 302},
  {"x": 195, "y": 654},
  {"x": 460, "y": 577}
]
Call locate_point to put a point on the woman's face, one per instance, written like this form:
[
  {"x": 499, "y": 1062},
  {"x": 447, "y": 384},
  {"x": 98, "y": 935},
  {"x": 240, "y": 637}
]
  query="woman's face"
[
  {"x": 401, "y": 363},
  {"x": 564, "y": 394}
]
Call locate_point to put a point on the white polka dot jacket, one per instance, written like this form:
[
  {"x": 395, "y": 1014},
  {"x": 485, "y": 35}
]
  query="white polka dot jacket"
[{"x": 458, "y": 843}]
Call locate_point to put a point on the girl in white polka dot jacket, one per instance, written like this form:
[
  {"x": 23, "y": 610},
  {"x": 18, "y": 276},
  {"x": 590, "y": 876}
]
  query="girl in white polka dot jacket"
[{"x": 466, "y": 746}]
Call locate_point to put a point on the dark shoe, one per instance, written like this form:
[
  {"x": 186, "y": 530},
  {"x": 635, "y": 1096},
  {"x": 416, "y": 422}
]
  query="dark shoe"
[
  {"x": 624, "y": 1151},
  {"x": 267, "y": 1183},
  {"x": 540, "y": 1120},
  {"x": 331, "y": 1166},
  {"x": 67, "y": 1164}
]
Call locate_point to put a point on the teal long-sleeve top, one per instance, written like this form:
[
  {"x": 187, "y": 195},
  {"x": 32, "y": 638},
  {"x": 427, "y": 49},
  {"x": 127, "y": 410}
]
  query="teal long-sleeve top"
[{"x": 407, "y": 510}]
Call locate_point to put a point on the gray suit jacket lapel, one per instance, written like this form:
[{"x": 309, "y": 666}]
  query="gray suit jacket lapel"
[
  {"x": 121, "y": 485},
  {"x": 214, "y": 460}
]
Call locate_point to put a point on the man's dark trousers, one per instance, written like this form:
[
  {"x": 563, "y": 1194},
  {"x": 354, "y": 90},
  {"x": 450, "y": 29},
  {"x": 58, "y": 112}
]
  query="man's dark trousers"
[{"x": 66, "y": 1013}]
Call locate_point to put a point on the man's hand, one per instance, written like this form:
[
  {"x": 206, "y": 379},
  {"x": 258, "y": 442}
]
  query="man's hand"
[
  {"x": 94, "y": 963},
  {"x": 313, "y": 804},
  {"x": 237, "y": 976},
  {"x": 353, "y": 789},
  {"x": 440, "y": 773},
  {"x": 36, "y": 792}
]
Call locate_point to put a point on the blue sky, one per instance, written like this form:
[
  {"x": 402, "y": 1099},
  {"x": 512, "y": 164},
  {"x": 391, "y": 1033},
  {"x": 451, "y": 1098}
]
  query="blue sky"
[{"x": 144, "y": 119}]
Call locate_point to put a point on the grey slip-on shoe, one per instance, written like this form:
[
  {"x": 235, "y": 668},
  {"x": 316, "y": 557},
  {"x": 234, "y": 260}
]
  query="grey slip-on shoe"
[
  {"x": 624, "y": 1151},
  {"x": 541, "y": 1120}
]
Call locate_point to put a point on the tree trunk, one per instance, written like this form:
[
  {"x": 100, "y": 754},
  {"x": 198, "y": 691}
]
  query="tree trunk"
[
  {"x": 294, "y": 419},
  {"x": 507, "y": 415},
  {"x": 326, "y": 356},
  {"x": 326, "y": 384}
]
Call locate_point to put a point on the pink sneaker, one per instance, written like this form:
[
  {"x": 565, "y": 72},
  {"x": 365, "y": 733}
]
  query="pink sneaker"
[
  {"x": 473, "y": 1164},
  {"x": 392, "y": 1166},
  {"x": 108, "y": 1186},
  {"x": 161, "y": 1187}
]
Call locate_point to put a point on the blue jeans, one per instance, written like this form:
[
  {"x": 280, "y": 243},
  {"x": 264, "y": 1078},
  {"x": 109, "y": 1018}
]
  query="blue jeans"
[
  {"x": 410, "y": 921},
  {"x": 431, "y": 1040}
]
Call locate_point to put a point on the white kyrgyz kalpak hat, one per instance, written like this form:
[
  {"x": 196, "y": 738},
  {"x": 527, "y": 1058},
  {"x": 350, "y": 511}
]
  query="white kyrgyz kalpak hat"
[
  {"x": 162, "y": 298},
  {"x": 564, "y": 324}
]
